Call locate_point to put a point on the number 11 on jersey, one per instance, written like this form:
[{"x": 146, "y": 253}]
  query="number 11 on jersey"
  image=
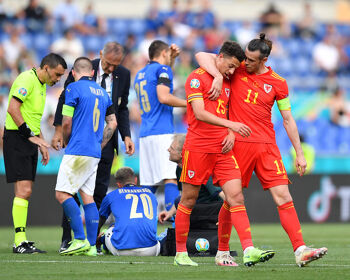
[{"x": 247, "y": 100}]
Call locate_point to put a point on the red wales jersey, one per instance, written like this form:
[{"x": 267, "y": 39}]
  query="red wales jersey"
[
  {"x": 203, "y": 137},
  {"x": 251, "y": 102}
]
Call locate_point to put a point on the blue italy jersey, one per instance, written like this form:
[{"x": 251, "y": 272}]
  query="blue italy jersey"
[
  {"x": 91, "y": 103},
  {"x": 135, "y": 212},
  {"x": 157, "y": 118}
]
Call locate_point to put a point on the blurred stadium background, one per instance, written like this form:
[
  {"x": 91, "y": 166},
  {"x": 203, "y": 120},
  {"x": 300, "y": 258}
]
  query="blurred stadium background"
[{"x": 311, "y": 50}]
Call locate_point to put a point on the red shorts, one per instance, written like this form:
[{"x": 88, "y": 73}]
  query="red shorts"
[
  {"x": 262, "y": 158},
  {"x": 198, "y": 167}
]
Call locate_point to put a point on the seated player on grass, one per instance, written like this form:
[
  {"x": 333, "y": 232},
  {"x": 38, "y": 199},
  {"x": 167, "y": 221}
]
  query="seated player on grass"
[{"x": 135, "y": 212}]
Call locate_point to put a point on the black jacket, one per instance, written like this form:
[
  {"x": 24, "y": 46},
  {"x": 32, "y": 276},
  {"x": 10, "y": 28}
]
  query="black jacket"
[{"x": 120, "y": 95}]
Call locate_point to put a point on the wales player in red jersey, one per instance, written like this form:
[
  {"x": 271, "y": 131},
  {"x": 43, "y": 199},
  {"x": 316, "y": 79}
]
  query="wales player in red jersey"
[
  {"x": 208, "y": 152},
  {"x": 255, "y": 88}
]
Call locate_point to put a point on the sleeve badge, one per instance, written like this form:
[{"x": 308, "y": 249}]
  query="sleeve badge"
[
  {"x": 22, "y": 91},
  {"x": 164, "y": 75},
  {"x": 195, "y": 83}
]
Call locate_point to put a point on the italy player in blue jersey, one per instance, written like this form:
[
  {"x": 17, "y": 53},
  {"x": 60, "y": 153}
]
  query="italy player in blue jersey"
[
  {"x": 135, "y": 211},
  {"x": 87, "y": 106},
  {"x": 154, "y": 87}
]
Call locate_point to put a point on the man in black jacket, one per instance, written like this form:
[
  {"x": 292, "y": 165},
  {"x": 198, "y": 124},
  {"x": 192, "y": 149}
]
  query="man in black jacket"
[{"x": 116, "y": 80}]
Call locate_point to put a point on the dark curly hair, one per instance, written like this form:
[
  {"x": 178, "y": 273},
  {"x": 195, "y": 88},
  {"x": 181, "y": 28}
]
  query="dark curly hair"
[{"x": 230, "y": 48}]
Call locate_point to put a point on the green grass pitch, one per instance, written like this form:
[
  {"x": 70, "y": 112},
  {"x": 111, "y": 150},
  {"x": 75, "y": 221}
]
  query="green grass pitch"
[{"x": 335, "y": 265}]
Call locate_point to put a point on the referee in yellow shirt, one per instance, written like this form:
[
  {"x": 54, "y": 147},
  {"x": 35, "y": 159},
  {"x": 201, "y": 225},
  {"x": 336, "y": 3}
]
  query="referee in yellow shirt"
[{"x": 22, "y": 138}]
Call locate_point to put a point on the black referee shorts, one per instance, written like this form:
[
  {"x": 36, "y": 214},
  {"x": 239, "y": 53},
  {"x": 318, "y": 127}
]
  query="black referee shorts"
[{"x": 20, "y": 157}]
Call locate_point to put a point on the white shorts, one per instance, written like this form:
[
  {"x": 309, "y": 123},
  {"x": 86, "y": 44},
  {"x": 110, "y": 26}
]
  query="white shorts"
[
  {"x": 141, "y": 252},
  {"x": 155, "y": 165},
  {"x": 77, "y": 173}
]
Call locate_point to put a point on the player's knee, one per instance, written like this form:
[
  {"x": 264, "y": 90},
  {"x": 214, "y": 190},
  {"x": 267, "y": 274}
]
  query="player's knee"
[
  {"x": 24, "y": 192},
  {"x": 235, "y": 199},
  {"x": 170, "y": 181},
  {"x": 61, "y": 196},
  {"x": 188, "y": 202},
  {"x": 58, "y": 196},
  {"x": 282, "y": 199},
  {"x": 281, "y": 196}
]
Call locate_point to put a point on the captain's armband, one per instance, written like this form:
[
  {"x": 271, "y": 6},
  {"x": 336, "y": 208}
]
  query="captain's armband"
[
  {"x": 284, "y": 104},
  {"x": 68, "y": 110}
]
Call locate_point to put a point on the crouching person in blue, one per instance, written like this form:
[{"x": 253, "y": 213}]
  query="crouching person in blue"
[{"x": 135, "y": 211}]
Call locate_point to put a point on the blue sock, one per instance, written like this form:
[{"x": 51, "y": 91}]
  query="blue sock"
[
  {"x": 152, "y": 188},
  {"x": 171, "y": 192},
  {"x": 72, "y": 211},
  {"x": 91, "y": 222}
]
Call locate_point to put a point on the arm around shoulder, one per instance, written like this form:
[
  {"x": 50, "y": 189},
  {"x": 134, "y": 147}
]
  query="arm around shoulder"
[{"x": 207, "y": 62}]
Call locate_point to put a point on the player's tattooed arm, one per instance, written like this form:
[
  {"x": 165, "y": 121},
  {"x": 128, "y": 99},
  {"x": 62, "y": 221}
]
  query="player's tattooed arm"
[{"x": 109, "y": 129}]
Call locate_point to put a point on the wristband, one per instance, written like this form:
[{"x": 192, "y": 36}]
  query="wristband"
[{"x": 25, "y": 131}]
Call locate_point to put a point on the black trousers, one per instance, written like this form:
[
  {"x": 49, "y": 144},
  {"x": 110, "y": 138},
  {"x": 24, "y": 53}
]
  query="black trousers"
[
  {"x": 204, "y": 215},
  {"x": 103, "y": 173},
  {"x": 102, "y": 182}
]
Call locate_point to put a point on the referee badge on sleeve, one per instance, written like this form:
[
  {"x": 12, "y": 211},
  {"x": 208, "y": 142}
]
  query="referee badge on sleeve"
[
  {"x": 190, "y": 174},
  {"x": 22, "y": 91}
]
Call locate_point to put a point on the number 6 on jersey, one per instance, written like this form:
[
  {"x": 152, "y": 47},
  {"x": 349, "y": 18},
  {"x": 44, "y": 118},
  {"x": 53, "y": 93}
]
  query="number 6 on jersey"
[{"x": 96, "y": 116}]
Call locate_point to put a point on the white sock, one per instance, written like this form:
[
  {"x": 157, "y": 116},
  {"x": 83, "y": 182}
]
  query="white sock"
[
  {"x": 247, "y": 249},
  {"x": 299, "y": 250}
]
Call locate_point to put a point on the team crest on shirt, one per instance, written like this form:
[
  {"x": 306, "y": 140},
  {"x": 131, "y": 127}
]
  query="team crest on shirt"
[
  {"x": 195, "y": 83},
  {"x": 164, "y": 75},
  {"x": 22, "y": 91},
  {"x": 190, "y": 173},
  {"x": 267, "y": 88},
  {"x": 227, "y": 91}
]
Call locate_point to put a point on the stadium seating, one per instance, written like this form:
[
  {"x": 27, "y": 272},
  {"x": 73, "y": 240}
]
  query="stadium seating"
[{"x": 295, "y": 63}]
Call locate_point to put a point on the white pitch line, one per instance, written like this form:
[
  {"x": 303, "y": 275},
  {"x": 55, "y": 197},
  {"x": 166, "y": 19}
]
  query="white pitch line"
[{"x": 155, "y": 263}]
